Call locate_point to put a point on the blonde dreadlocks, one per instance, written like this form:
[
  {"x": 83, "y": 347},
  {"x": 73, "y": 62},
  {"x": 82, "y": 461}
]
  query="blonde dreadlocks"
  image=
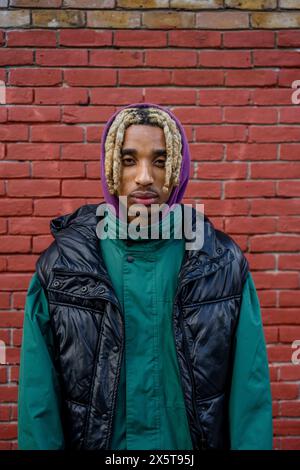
[{"x": 115, "y": 138}]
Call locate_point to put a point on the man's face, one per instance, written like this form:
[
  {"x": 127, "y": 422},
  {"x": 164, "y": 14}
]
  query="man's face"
[{"x": 143, "y": 157}]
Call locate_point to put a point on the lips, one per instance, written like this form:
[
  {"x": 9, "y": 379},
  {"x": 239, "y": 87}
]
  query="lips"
[{"x": 144, "y": 195}]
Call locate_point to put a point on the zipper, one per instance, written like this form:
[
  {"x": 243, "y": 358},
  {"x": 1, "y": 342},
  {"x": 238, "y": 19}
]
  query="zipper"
[{"x": 186, "y": 355}]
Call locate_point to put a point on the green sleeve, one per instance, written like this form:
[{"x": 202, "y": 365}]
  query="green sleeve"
[
  {"x": 39, "y": 422},
  {"x": 250, "y": 402}
]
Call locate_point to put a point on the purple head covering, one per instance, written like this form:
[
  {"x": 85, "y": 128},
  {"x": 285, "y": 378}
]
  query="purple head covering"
[{"x": 178, "y": 191}]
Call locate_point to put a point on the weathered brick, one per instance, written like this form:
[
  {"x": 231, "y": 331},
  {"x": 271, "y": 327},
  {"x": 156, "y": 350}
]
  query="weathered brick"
[
  {"x": 144, "y": 77},
  {"x": 222, "y": 20},
  {"x": 198, "y": 77},
  {"x": 289, "y": 4},
  {"x": 113, "y": 19},
  {"x": 35, "y": 3},
  {"x": 61, "y": 57},
  {"x": 55, "y": 133},
  {"x": 17, "y": 18},
  {"x": 168, "y": 20},
  {"x": 78, "y": 114},
  {"x": 288, "y": 38},
  {"x": 275, "y": 20},
  {"x": 34, "y": 114},
  {"x": 116, "y": 95},
  {"x": 224, "y": 59},
  {"x": 167, "y": 96},
  {"x": 139, "y": 4},
  {"x": 90, "y": 77},
  {"x": 196, "y": 4},
  {"x": 16, "y": 57},
  {"x": 275, "y": 58},
  {"x": 63, "y": 95},
  {"x": 252, "y": 4},
  {"x": 169, "y": 58},
  {"x": 58, "y": 18},
  {"x": 89, "y": 4},
  {"x": 111, "y": 58},
  {"x": 259, "y": 77}
]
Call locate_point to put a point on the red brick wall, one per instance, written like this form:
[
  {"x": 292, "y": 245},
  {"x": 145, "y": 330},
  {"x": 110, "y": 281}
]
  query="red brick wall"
[{"x": 226, "y": 70}]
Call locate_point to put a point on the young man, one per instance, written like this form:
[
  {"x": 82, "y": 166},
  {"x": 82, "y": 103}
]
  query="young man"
[{"x": 135, "y": 342}]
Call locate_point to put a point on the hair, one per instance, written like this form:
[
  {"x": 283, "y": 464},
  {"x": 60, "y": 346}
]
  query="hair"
[{"x": 115, "y": 137}]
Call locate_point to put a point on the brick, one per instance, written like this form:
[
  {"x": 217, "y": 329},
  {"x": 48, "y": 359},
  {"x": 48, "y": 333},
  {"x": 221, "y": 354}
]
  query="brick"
[
  {"x": 252, "y": 4},
  {"x": 194, "y": 39},
  {"x": 8, "y": 430},
  {"x": 276, "y": 58},
  {"x": 275, "y": 280},
  {"x": 247, "y": 39},
  {"x": 113, "y": 19},
  {"x": 57, "y": 18},
  {"x": 288, "y": 38},
  {"x": 274, "y": 20},
  {"x": 197, "y": 77},
  {"x": 56, "y": 207},
  {"x": 289, "y": 224},
  {"x": 166, "y": 96},
  {"x": 221, "y": 133},
  {"x": 273, "y": 134},
  {"x": 144, "y": 77},
  {"x": 275, "y": 207},
  {"x": 36, "y": 187},
  {"x": 198, "y": 115},
  {"x": 278, "y": 170},
  {"x": 195, "y": 188},
  {"x": 140, "y": 4},
  {"x": 280, "y": 353},
  {"x": 289, "y": 4},
  {"x": 289, "y": 372},
  {"x": 261, "y": 261},
  {"x": 14, "y": 170},
  {"x": 261, "y": 243},
  {"x": 289, "y": 115},
  {"x": 119, "y": 96},
  {"x": 111, "y": 58},
  {"x": 90, "y": 77},
  {"x": 38, "y": 114},
  {"x": 289, "y": 298},
  {"x": 286, "y": 427},
  {"x": 35, "y": 3},
  {"x": 4, "y": 300},
  {"x": 251, "y": 115},
  {"x": 13, "y": 132},
  {"x": 80, "y": 152},
  {"x": 168, "y": 20},
  {"x": 224, "y": 59},
  {"x": 250, "y": 225},
  {"x": 17, "y": 337},
  {"x": 287, "y": 334},
  {"x": 219, "y": 97},
  {"x": 271, "y": 334},
  {"x": 85, "y": 38},
  {"x": 267, "y": 298},
  {"x": 77, "y": 114},
  {"x": 11, "y": 319},
  {"x": 23, "y": 262},
  {"x": 237, "y": 189},
  {"x": 210, "y": 151},
  {"x": 196, "y": 4},
  {"x": 35, "y": 77},
  {"x": 15, "y": 57},
  {"x": 271, "y": 96},
  {"x": 258, "y": 77},
  {"x": 81, "y": 188},
  {"x": 10, "y": 19},
  {"x": 58, "y": 170},
  {"x": 40, "y": 243},
  {"x": 222, "y": 20},
  {"x": 289, "y": 151},
  {"x": 15, "y": 207},
  {"x": 19, "y": 96},
  {"x": 32, "y": 151},
  {"x": 14, "y": 244},
  {"x": 55, "y": 133},
  {"x": 169, "y": 58},
  {"x": 244, "y": 152},
  {"x": 61, "y": 57},
  {"x": 289, "y": 188},
  {"x": 62, "y": 95},
  {"x": 31, "y": 38},
  {"x": 142, "y": 38},
  {"x": 89, "y": 3}
]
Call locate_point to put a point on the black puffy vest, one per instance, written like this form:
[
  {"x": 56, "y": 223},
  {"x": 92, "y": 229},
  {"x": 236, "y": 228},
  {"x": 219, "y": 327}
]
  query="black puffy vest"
[{"x": 88, "y": 330}]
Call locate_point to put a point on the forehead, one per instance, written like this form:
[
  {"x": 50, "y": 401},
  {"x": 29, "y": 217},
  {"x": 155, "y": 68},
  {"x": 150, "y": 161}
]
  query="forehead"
[{"x": 141, "y": 134}]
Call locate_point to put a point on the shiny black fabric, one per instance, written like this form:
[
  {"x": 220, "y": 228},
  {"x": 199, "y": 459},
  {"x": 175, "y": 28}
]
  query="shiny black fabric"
[{"x": 88, "y": 330}]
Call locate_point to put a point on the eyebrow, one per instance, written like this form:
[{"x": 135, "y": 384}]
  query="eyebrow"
[{"x": 131, "y": 151}]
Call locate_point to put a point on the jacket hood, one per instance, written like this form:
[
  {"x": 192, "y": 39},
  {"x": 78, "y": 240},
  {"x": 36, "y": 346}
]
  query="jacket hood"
[{"x": 178, "y": 191}]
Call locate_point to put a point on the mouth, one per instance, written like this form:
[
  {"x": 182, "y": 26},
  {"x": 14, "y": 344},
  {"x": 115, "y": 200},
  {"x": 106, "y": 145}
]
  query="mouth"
[{"x": 146, "y": 200}]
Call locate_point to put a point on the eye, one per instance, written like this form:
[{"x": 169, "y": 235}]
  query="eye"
[
  {"x": 127, "y": 160},
  {"x": 161, "y": 162}
]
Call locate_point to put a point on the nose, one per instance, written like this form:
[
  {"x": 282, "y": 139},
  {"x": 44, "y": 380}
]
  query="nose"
[{"x": 144, "y": 174}]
